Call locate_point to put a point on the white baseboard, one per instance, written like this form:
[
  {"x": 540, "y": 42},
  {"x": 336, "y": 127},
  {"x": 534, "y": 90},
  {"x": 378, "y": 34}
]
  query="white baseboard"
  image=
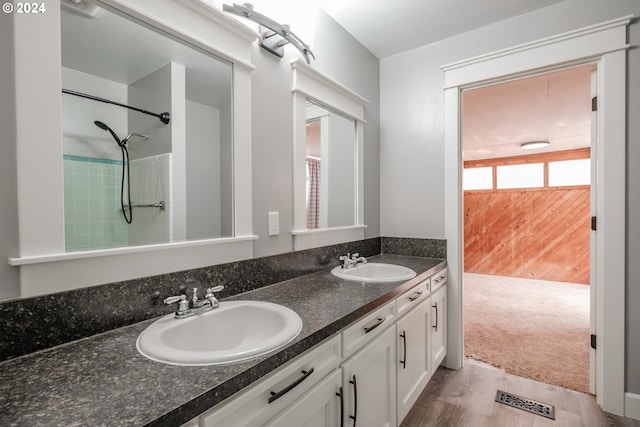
[{"x": 632, "y": 405}]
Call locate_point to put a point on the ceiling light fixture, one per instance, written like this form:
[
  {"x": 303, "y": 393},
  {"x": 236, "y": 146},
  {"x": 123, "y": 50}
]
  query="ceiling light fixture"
[{"x": 532, "y": 145}]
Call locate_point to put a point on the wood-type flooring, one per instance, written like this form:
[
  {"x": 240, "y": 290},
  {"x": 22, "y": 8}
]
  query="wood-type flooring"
[{"x": 465, "y": 398}]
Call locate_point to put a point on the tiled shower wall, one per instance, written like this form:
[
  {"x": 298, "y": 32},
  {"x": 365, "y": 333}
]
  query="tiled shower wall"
[
  {"x": 92, "y": 216},
  {"x": 151, "y": 183},
  {"x": 92, "y": 212}
]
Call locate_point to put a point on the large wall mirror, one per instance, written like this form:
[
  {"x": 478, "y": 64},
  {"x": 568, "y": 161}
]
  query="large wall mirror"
[
  {"x": 129, "y": 178},
  {"x": 328, "y": 160},
  {"x": 187, "y": 181}
]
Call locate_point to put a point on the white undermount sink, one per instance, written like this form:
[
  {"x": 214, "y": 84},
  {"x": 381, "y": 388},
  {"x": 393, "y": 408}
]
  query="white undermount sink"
[
  {"x": 235, "y": 331},
  {"x": 374, "y": 272}
]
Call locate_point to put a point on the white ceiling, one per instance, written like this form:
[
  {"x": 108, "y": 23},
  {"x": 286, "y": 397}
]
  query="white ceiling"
[
  {"x": 390, "y": 27},
  {"x": 555, "y": 107},
  {"x": 117, "y": 49},
  {"x": 498, "y": 118}
]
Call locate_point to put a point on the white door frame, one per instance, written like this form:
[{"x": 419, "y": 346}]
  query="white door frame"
[{"x": 604, "y": 44}]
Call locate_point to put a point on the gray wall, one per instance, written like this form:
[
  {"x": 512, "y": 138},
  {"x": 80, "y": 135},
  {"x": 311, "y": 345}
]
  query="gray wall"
[
  {"x": 8, "y": 183},
  {"x": 153, "y": 93},
  {"x": 341, "y": 174},
  {"x": 203, "y": 173},
  {"x": 343, "y": 59},
  {"x": 412, "y": 131}
]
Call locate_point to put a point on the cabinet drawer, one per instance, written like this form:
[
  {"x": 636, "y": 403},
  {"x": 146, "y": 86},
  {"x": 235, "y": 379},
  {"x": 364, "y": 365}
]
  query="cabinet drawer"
[
  {"x": 367, "y": 328},
  {"x": 413, "y": 297},
  {"x": 438, "y": 279},
  {"x": 261, "y": 402}
]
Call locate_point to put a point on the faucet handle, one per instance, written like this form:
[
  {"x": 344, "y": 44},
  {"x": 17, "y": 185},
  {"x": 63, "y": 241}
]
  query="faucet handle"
[
  {"x": 177, "y": 298},
  {"x": 210, "y": 291},
  {"x": 355, "y": 255},
  {"x": 182, "y": 303}
]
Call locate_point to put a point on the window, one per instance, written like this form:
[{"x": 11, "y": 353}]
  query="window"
[
  {"x": 570, "y": 172},
  {"x": 520, "y": 176},
  {"x": 478, "y": 178}
]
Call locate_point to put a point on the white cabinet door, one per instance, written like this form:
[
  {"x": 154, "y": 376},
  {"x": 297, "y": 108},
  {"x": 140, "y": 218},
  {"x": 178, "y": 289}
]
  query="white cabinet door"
[
  {"x": 319, "y": 407},
  {"x": 438, "y": 327},
  {"x": 413, "y": 365},
  {"x": 369, "y": 384}
]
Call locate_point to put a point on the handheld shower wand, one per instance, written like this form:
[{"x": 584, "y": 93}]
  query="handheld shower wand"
[
  {"x": 108, "y": 129},
  {"x": 125, "y": 162}
]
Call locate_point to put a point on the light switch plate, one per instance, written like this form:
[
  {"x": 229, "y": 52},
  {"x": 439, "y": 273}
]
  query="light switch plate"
[{"x": 274, "y": 223}]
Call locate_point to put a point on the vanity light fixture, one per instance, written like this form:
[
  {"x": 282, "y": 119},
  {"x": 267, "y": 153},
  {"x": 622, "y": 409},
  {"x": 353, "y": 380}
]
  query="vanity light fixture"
[
  {"x": 532, "y": 145},
  {"x": 278, "y": 36}
]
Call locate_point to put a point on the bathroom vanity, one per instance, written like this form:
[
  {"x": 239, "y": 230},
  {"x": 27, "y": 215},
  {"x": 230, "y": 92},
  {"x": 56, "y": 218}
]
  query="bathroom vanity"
[{"x": 104, "y": 380}]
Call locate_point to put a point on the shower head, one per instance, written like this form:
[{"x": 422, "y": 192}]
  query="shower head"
[{"x": 108, "y": 129}]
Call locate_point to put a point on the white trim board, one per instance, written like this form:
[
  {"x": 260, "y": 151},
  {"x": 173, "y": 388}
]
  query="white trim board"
[
  {"x": 632, "y": 406},
  {"x": 603, "y": 44}
]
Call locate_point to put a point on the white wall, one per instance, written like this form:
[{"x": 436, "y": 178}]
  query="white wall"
[
  {"x": 412, "y": 131},
  {"x": 8, "y": 184},
  {"x": 81, "y": 137},
  {"x": 153, "y": 93},
  {"x": 341, "y": 173},
  {"x": 203, "y": 173}
]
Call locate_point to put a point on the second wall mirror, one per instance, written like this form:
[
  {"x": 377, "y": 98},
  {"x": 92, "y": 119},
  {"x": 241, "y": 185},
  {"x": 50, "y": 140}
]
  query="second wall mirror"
[
  {"x": 328, "y": 161},
  {"x": 330, "y": 168}
]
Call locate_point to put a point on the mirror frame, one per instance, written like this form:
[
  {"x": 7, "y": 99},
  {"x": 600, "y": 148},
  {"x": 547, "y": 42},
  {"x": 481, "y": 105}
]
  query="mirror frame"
[
  {"x": 44, "y": 266},
  {"x": 310, "y": 83}
]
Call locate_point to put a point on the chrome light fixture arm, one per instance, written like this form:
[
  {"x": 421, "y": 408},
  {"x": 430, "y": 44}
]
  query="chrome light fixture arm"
[{"x": 279, "y": 35}]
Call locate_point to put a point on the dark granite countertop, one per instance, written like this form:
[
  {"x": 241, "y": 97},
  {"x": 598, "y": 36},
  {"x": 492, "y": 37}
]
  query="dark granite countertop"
[{"x": 103, "y": 380}]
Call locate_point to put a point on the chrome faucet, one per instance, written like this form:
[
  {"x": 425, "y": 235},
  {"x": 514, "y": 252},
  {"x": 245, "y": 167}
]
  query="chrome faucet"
[
  {"x": 185, "y": 309},
  {"x": 351, "y": 260}
]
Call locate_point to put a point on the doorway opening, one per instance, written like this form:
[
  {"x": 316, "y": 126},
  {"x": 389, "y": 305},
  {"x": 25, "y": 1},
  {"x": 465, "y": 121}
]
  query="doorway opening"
[{"x": 526, "y": 225}]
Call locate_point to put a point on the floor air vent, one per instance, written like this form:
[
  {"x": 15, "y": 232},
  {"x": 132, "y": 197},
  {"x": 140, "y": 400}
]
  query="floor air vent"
[{"x": 528, "y": 405}]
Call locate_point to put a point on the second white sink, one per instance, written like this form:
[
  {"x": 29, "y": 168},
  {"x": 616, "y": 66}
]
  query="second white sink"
[
  {"x": 375, "y": 272},
  {"x": 235, "y": 331}
]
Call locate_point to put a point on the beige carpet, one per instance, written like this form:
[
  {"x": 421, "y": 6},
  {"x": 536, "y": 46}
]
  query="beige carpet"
[{"x": 532, "y": 328}]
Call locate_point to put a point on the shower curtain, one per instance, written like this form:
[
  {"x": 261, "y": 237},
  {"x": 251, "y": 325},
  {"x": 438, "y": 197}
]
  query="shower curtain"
[{"x": 313, "y": 203}]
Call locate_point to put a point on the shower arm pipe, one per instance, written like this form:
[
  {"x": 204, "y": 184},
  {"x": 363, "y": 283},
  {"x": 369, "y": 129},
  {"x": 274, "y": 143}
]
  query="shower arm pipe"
[
  {"x": 246, "y": 11},
  {"x": 164, "y": 117}
]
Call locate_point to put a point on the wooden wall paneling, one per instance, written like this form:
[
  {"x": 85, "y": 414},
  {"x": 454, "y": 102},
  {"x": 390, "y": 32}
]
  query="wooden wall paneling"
[{"x": 531, "y": 233}]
